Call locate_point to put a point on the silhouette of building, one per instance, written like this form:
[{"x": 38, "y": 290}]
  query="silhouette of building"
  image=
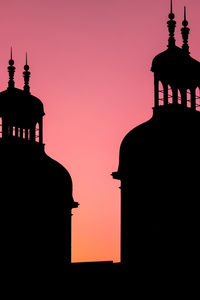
[
  {"x": 36, "y": 191},
  {"x": 159, "y": 165}
]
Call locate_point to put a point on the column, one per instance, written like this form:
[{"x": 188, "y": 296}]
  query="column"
[
  {"x": 21, "y": 133},
  {"x": 184, "y": 97},
  {"x": 175, "y": 95},
  {"x": 193, "y": 98},
  {"x": 32, "y": 133},
  {"x": 165, "y": 87}
]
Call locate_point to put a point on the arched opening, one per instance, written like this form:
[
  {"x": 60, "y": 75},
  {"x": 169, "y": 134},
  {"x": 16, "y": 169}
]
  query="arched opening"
[
  {"x": 37, "y": 133},
  {"x": 179, "y": 97},
  {"x": 188, "y": 98},
  {"x": 24, "y": 133},
  {"x": 197, "y": 98},
  {"x": 18, "y": 132},
  {"x": 13, "y": 131},
  {"x": 170, "y": 95},
  {"x": 29, "y": 134},
  {"x": 0, "y": 127},
  {"x": 160, "y": 93}
]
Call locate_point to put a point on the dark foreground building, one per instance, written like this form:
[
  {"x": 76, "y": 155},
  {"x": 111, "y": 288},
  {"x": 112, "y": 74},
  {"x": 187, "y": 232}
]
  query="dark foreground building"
[
  {"x": 159, "y": 166},
  {"x": 36, "y": 191}
]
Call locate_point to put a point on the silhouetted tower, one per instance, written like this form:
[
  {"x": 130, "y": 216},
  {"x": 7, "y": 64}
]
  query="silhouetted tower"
[
  {"x": 36, "y": 191},
  {"x": 158, "y": 164}
]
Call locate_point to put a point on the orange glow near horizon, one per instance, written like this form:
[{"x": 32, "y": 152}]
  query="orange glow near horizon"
[{"x": 90, "y": 65}]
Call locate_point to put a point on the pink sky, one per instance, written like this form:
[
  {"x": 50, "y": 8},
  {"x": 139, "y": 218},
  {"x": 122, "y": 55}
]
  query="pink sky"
[{"x": 90, "y": 65}]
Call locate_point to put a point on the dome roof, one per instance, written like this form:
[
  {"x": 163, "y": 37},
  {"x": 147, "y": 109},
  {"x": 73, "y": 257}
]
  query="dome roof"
[
  {"x": 20, "y": 104},
  {"x": 56, "y": 175},
  {"x": 134, "y": 143},
  {"x": 39, "y": 174},
  {"x": 153, "y": 140},
  {"x": 174, "y": 64}
]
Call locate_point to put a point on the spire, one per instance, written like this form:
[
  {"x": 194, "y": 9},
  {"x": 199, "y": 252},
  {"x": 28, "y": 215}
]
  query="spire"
[
  {"x": 11, "y": 71},
  {"x": 185, "y": 33},
  {"x": 26, "y": 75},
  {"x": 171, "y": 27}
]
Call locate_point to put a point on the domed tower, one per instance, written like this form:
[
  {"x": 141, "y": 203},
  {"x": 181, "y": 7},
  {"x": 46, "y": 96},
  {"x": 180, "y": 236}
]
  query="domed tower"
[
  {"x": 36, "y": 191},
  {"x": 158, "y": 164}
]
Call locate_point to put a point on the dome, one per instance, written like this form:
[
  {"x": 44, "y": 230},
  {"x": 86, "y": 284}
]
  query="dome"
[
  {"x": 57, "y": 175},
  {"x": 152, "y": 140},
  {"x": 174, "y": 64},
  {"x": 38, "y": 172},
  {"x": 19, "y": 104},
  {"x": 136, "y": 142}
]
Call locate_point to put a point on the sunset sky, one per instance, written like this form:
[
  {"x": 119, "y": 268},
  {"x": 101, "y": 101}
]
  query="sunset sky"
[{"x": 90, "y": 65}]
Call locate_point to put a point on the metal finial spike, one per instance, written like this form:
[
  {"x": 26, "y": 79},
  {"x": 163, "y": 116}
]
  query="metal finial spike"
[
  {"x": 11, "y": 61},
  {"x": 185, "y": 33},
  {"x": 26, "y": 66},
  {"x": 185, "y": 22},
  {"x": 171, "y": 14}
]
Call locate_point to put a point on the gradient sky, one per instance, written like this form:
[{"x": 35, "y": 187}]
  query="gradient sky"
[{"x": 90, "y": 65}]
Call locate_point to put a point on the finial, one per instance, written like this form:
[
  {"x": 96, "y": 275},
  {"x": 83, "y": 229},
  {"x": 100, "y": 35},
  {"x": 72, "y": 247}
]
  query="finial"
[
  {"x": 185, "y": 33},
  {"x": 26, "y": 75},
  {"x": 171, "y": 14},
  {"x": 185, "y": 22},
  {"x": 171, "y": 27},
  {"x": 11, "y": 71}
]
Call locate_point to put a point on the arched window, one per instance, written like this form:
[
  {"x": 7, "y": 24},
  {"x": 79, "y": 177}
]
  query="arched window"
[
  {"x": 179, "y": 97},
  {"x": 19, "y": 132},
  {"x": 170, "y": 95},
  {"x": 197, "y": 97},
  {"x": 188, "y": 98},
  {"x": 160, "y": 93},
  {"x": 0, "y": 127},
  {"x": 13, "y": 131},
  {"x": 29, "y": 134},
  {"x": 24, "y": 133},
  {"x": 37, "y": 133}
]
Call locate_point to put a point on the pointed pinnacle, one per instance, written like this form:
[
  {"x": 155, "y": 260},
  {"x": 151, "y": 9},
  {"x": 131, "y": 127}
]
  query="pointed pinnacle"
[
  {"x": 11, "y": 61},
  {"x": 171, "y": 14},
  {"x": 185, "y": 22}
]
